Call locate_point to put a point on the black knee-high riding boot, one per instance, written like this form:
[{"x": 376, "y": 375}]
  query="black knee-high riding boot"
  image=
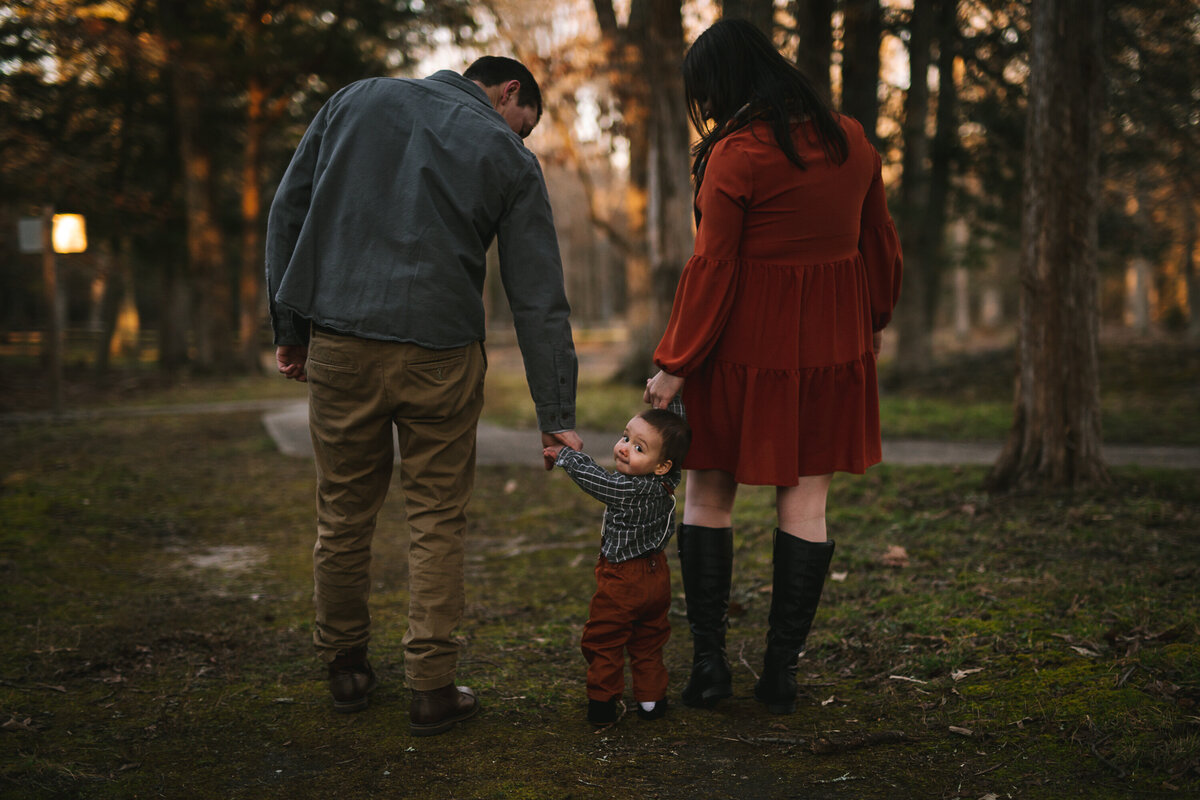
[
  {"x": 706, "y": 562},
  {"x": 799, "y": 577}
]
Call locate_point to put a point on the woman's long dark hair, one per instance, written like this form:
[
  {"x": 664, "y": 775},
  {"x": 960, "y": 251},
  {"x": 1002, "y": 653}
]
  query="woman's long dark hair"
[{"x": 733, "y": 74}]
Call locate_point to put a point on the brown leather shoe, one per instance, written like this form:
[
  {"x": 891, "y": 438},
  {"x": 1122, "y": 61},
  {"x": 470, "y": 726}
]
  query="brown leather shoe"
[
  {"x": 438, "y": 711},
  {"x": 351, "y": 679}
]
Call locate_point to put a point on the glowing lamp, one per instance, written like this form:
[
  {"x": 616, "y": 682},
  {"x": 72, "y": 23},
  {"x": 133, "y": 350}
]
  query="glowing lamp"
[{"x": 70, "y": 234}]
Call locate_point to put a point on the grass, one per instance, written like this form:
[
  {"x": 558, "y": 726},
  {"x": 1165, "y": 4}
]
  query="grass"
[
  {"x": 158, "y": 618},
  {"x": 1149, "y": 394}
]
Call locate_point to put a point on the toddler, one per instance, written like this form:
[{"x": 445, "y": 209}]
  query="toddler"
[{"x": 633, "y": 584}]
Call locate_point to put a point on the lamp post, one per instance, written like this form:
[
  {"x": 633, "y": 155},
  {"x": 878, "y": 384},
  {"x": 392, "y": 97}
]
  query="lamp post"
[
  {"x": 54, "y": 338},
  {"x": 52, "y": 234}
]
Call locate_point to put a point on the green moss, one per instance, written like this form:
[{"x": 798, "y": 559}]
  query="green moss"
[{"x": 145, "y": 671}]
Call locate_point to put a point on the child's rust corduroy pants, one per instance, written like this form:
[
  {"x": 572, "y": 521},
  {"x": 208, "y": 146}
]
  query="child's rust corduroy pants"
[{"x": 628, "y": 612}]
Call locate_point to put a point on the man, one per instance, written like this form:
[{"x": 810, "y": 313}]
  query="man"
[{"x": 376, "y": 244}]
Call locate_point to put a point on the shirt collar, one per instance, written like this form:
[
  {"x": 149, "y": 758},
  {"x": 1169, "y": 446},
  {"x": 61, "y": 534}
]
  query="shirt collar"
[{"x": 459, "y": 82}]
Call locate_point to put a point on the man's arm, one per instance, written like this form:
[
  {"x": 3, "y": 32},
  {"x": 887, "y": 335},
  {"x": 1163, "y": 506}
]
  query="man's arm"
[
  {"x": 289, "y": 209},
  {"x": 531, "y": 271}
]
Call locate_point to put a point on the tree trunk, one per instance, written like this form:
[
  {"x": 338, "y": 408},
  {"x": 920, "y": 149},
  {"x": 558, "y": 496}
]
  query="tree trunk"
[
  {"x": 1188, "y": 201},
  {"x": 669, "y": 217},
  {"x": 760, "y": 12},
  {"x": 252, "y": 310},
  {"x": 913, "y": 319},
  {"x": 108, "y": 305},
  {"x": 860, "y": 63},
  {"x": 214, "y": 323},
  {"x": 174, "y": 318},
  {"x": 126, "y": 334},
  {"x": 214, "y": 327},
  {"x": 1055, "y": 441},
  {"x": 814, "y": 26},
  {"x": 648, "y": 56}
]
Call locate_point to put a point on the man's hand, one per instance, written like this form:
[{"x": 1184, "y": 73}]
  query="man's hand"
[
  {"x": 556, "y": 442},
  {"x": 661, "y": 389},
  {"x": 290, "y": 358}
]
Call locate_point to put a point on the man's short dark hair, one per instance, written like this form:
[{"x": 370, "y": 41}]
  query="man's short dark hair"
[
  {"x": 491, "y": 70},
  {"x": 675, "y": 432}
]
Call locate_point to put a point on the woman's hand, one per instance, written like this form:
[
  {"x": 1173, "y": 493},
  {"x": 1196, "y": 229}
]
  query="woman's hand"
[{"x": 661, "y": 388}]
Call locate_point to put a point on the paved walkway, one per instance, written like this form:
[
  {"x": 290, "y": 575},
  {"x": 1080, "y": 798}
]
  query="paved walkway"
[{"x": 288, "y": 426}]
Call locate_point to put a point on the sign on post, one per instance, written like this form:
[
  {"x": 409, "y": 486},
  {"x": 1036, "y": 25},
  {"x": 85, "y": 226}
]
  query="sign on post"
[{"x": 69, "y": 236}]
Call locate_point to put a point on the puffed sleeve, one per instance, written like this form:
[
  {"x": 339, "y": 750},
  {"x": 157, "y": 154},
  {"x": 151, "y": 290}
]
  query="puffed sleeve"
[
  {"x": 704, "y": 296},
  {"x": 879, "y": 245}
]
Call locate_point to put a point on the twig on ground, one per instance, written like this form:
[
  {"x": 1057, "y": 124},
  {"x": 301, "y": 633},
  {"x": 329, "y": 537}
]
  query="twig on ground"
[
  {"x": 793, "y": 740},
  {"x": 616, "y": 721},
  {"x": 824, "y": 746},
  {"x": 742, "y": 658}
]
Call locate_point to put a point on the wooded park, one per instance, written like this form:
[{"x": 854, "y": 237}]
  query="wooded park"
[
  {"x": 1028, "y": 627},
  {"x": 1041, "y": 168}
]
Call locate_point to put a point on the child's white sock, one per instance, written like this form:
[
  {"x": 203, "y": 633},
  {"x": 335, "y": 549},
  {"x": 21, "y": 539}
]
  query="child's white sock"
[{"x": 648, "y": 706}]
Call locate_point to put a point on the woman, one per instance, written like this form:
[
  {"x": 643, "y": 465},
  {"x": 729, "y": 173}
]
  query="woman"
[{"x": 773, "y": 336}]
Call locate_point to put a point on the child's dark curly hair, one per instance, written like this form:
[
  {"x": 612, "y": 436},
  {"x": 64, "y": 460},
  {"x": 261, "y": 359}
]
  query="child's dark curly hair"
[{"x": 675, "y": 432}]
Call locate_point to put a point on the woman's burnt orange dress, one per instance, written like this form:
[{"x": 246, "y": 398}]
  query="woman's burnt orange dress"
[{"x": 773, "y": 317}]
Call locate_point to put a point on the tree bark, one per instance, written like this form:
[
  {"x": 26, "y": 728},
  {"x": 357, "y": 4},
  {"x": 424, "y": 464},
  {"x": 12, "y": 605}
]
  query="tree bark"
[
  {"x": 814, "y": 26},
  {"x": 190, "y": 80},
  {"x": 648, "y": 55},
  {"x": 860, "y": 63},
  {"x": 1188, "y": 202},
  {"x": 669, "y": 191},
  {"x": 1055, "y": 441},
  {"x": 250, "y": 281},
  {"x": 214, "y": 325},
  {"x": 760, "y": 12},
  {"x": 913, "y": 320}
]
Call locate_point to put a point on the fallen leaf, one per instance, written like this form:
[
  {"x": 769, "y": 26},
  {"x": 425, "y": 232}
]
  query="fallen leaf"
[
  {"x": 840, "y": 577},
  {"x": 961, "y": 731},
  {"x": 959, "y": 674},
  {"x": 829, "y": 700},
  {"x": 896, "y": 556},
  {"x": 1083, "y": 651}
]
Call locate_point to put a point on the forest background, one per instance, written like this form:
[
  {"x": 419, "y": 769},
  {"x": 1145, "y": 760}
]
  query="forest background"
[
  {"x": 1028, "y": 630},
  {"x": 167, "y": 125}
]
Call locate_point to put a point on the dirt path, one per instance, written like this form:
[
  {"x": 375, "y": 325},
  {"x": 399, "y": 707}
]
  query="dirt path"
[
  {"x": 289, "y": 428},
  {"x": 287, "y": 424}
]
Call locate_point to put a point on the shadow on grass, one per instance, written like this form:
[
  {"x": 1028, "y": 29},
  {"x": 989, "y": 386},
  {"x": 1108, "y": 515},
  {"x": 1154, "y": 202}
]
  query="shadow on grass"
[{"x": 156, "y": 587}]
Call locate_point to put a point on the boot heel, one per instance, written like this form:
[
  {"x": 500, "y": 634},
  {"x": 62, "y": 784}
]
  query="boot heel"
[{"x": 714, "y": 693}]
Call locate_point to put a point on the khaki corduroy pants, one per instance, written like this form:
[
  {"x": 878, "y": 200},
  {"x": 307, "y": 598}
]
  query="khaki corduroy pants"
[{"x": 360, "y": 390}]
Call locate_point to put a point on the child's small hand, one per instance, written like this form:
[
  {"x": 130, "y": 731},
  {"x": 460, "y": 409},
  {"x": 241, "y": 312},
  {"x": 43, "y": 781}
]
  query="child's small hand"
[{"x": 550, "y": 454}]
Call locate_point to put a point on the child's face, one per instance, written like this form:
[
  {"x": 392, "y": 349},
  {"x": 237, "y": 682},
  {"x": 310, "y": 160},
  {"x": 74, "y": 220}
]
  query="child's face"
[{"x": 639, "y": 450}]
